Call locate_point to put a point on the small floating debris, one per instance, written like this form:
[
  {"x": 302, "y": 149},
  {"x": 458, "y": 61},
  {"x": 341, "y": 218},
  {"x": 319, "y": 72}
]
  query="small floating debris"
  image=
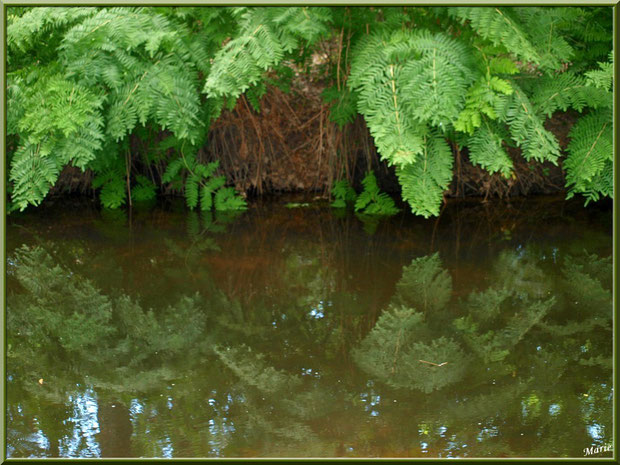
[{"x": 434, "y": 364}]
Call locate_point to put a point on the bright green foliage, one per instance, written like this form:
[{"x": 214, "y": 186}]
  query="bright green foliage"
[
  {"x": 419, "y": 76},
  {"x": 527, "y": 130},
  {"x": 202, "y": 186},
  {"x": 379, "y": 81},
  {"x": 567, "y": 90},
  {"x": 589, "y": 165},
  {"x": 604, "y": 76},
  {"x": 425, "y": 181},
  {"x": 372, "y": 201},
  {"x": 265, "y": 36},
  {"x": 102, "y": 72},
  {"x": 486, "y": 150},
  {"x": 501, "y": 28},
  {"x": 343, "y": 194}
]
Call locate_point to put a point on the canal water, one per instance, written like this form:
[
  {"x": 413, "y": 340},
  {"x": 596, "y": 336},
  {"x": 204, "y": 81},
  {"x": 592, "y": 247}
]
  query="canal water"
[{"x": 294, "y": 330}]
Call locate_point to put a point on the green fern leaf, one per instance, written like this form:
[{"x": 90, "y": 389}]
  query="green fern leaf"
[
  {"x": 343, "y": 194},
  {"x": 226, "y": 199},
  {"x": 144, "y": 191},
  {"x": 424, "y": 181},
  {"x": 172, "y": 170},
  {"x": 527, "y": 130},
  {"x": 567, "y": 90},
  {"x": 486, "y": 150},
  {"x": 191, "y": 190},
  {"x": 589, "y": 164}
]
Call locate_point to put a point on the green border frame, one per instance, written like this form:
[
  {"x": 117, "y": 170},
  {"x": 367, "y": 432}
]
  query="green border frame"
[{"x": 3, "y": 179}]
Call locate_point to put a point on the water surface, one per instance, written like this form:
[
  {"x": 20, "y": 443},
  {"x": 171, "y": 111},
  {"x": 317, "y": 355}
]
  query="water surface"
[{"x": 310, "y": 333}]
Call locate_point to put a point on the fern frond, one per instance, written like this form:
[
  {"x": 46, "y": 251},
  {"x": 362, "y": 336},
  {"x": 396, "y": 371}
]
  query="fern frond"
[
  {"x": 172, "y": 170},
  {"x": 307, "y": 23},
  {"x": 343, "y": 194},
  {"x": 226, "y": 199},
  {"x": 486, "y": 150},
  {"x": 343, "y": 105},
  {"x": 110, "y": 178},
  {"x": 266, "y": 34},
  {"x": 528, "y": 131},
  {"x": 373, "y": 202},
  {"x": 144, "y": 191},
  {"x": 501, "y": 27},
  {"x": 437, "y": 78},
  {"x": 191, "y": 190},
  {"x": 32, "y": 175},
  {"x": 381, "y": 99},
  {"x": 424, "y": 181},
  {"x": 567, "y": 90},
  {"x": 603, "y": 77},
  {"x": 482, "y": 99},
  {"x": 26, "y": 31},
  {"x": 589, "y": 164}
]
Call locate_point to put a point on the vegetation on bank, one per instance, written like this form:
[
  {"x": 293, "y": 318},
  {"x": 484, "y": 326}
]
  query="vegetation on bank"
[{"x": 130, "y": 94}]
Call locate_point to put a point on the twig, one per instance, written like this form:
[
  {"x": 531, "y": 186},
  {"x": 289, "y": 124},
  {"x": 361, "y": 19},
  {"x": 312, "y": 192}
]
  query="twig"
[{"x": 434, "y": 364}]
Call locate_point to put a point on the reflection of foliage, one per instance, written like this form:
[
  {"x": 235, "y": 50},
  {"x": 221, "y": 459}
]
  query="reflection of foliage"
[
  {"x": 404, "y": 340},
  {"x": 393, "y": 352},
  {"x": 91, "y": 331},
  {"x": 424, "y": 285},
  {"x": 253, "y": 370},
  {"x": 271, "y": 376}
]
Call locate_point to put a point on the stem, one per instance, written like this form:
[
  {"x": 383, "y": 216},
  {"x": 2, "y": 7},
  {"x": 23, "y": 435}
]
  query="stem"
[{"x": 127, "y": 171}]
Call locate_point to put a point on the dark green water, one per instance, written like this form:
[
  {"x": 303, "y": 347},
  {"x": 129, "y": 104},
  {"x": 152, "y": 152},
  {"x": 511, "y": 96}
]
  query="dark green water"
[{"x": 298, "y": 332}]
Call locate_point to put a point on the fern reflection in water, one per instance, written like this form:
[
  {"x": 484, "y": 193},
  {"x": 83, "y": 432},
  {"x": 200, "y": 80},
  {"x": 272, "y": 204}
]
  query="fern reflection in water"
[{"x": 464, "y": 369}]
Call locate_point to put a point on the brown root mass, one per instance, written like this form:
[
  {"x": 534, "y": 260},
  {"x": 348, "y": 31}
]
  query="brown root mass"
[{"x": 290, "y": 145}]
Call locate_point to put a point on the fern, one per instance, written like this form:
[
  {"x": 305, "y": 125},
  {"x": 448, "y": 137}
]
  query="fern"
[
  {"x": 567, "y": 90},
  {"x": 486, "y": 150},
  {"x": 144, "y": 190},
  {"x": 589, "y": 164},
  {"x": 527, "y": 129},
  {"x": 501, "y": 27},
  {"x": 602, "y": 77},
  {"x": 437, "y": 78},
  {"x": 266, "y": 35},
  {"x": 110, "y": 177},
  {"x": 343, "y": 105},
  {"x": 226, "y": 199},
  {"x": 32, "y": 175},
  {"x": 379, "y": 83},
  {"x": 482, "y": 99},
  {"x": 343, "y": 194},
  {"x": 202, "y": 187},
  {"x": 424, "y": 181},
  {"x": 415, "y": 75},
  {"x": 373, "y": 202}
]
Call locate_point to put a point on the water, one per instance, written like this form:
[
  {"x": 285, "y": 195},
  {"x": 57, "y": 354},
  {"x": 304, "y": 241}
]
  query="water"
[{"x": 306, "y": 333}]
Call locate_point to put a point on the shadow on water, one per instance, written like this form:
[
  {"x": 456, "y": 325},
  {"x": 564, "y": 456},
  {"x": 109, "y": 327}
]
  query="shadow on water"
[{"x": 298, "y": 332}]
